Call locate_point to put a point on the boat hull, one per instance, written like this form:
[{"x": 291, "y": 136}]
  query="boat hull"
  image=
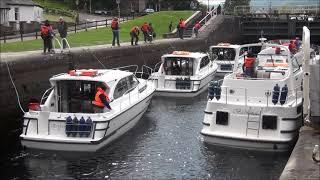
[
  {"x": 274, "y": 146},
  {"x": 134, "y": 114}
]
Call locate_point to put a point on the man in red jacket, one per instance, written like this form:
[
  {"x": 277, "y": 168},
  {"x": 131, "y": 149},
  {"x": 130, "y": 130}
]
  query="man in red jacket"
[{"x": 145, "y": 30}]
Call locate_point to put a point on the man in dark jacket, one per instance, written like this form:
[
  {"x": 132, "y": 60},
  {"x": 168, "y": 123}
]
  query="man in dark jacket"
[
  {"x": 63, "y": 30},
  {"x": 115, "y": 31}
]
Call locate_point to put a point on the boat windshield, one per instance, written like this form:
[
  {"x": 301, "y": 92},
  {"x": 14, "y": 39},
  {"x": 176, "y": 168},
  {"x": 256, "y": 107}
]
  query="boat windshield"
[
  {"x": 272, "y": 60},
  {"x": 179, "y": 66},
  {"x": 223, "y": 54},
  {"x": 76, "y": 95}
]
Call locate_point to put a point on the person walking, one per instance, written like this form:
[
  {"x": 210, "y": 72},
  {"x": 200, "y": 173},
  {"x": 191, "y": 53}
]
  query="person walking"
[
  {"x": 101, "y": 99},
  {"x": 170, "y": 26},
  {"x": 219, "y": 9},
  {"x": 63, "y": 31},
  {"x": 145, "y": 31},
  {"x": 181, "y": 26},
  {"x": 196, "y": 28},
  {"x": 134, "y": 33},
  {"x": 151, "y": 33},
  {"x": 115, "y": 31},
  {"x": 46, "y": 34}
]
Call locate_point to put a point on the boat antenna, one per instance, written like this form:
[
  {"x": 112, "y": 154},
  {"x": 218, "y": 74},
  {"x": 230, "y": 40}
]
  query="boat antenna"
[
  {"x": 95, "y": 57},
  {"x": 15, "y": 88}
]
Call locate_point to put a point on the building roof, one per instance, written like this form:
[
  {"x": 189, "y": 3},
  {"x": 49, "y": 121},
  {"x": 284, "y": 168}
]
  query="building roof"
[
  {"x": 22, "y": 2},
  {"x": 3, "y": 5}
]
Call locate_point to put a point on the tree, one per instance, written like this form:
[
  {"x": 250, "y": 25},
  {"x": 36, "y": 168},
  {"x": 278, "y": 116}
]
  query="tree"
[
  {"x": 229, "y": 5},
  {"x": 177, "y": 4}
]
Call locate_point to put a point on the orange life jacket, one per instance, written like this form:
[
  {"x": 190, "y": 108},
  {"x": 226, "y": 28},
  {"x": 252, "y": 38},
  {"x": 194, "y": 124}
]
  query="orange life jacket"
[
  {"x": 197, "y": 26},
  {"x": 114, "y": 24},
  {"x": 135, "y": 30},
  {"x": 97, "y": 101},
  {"x": 145, "y": 27},
  {"x": 182, "y": 24},
  {"x": 44, "y": 30},
  {"x": 249, "y": 62}
]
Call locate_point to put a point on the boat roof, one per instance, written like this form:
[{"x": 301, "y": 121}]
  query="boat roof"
[
  {"x": 103, "y": 75},
  {"x": 188, "y": 54},
  {"x": 225, "y": 45}
]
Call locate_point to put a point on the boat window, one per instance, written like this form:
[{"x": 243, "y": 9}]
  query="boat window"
[
  {"x": 269, "y": 122},
  {"x": 180, "y": 66},
  {"x": 121, "y": 88},
  {"x": 222, "y": 118},
  {"x": 132, "y": 82},
  {"x": 224, "y": 54},
  {"x": 254, "y": 49},
  {"x": 76, "y": 96},
  {"x": 204, "y": 62}
]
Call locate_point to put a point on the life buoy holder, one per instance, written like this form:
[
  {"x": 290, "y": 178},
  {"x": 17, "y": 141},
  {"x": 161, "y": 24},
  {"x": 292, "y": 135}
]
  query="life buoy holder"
[
  {"x": 180, "y": 52},
  {"x": 83, "y": 72}
]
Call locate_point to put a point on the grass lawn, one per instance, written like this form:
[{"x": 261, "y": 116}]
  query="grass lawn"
[
  {"x": 159, "y": 20},
  {"x": 53, "y": 4},
  {"x": 52, "y": 17}
]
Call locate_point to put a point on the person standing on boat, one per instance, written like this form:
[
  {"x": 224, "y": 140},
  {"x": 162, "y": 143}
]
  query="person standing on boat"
[
  {"x": 292, "y": 47},
  {"x": 134, "y": 33},
  {"x": 101, "y": 99},
  {"x": 63, "y": 31},
  {"x": 115, "y": 31},
  {"x": 47, "y": 35},
  {"x": 249, "y": 64}
]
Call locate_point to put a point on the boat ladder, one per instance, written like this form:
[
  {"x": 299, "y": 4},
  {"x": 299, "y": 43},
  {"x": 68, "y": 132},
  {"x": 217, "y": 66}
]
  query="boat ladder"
[{"x": 253, "y": 125}]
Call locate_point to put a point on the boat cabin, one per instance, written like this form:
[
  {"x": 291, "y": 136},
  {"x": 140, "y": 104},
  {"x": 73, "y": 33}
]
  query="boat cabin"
[
  {"x": 74, "y": 92},
  {"x": 183, "y": 63}
]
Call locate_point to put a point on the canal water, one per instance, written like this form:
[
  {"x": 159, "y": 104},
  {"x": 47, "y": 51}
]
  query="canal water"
[{"x": 166, "y": 144}]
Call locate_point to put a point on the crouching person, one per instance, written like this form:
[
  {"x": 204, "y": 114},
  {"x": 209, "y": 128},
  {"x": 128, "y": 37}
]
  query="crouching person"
[{"x": 101, "y": 99}]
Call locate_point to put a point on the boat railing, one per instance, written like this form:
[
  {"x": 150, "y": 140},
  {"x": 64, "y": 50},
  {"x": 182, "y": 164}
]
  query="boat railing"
[
  {"x": 271, "y": 97},
  {"x": 46, "y": 95},
  {"x": 128, "y": 68}
]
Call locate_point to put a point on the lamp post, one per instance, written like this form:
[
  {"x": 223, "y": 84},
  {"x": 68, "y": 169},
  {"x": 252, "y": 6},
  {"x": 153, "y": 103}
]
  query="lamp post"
[
  {"x": 77, "y": 16},
  {"x": 118, "y": 2}
]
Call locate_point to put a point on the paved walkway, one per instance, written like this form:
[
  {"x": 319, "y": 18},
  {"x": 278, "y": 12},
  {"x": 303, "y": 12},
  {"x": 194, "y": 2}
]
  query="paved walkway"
[
  {"x": 17, "y": 55},
  {"x": 300, "y": 164}
]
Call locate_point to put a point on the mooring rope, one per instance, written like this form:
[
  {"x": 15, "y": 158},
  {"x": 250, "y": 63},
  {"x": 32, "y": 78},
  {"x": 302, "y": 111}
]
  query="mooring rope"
[
  {"x": 15, "y": 88},
  {"x": 95, "y": 57}
]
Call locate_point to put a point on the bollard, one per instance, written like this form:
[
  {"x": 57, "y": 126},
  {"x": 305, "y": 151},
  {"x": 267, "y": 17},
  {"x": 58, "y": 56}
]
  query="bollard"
[{"x": 96, "y": 24}]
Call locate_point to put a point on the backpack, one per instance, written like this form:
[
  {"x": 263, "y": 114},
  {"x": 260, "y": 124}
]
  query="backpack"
[
  {"x": 114, "y": 24},
  {"x": 44, "y": 31}
]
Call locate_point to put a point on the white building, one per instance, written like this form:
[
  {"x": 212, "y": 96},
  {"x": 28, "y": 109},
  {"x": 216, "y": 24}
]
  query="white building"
[
  {"x": 4, "y": 14},
  {"x": 23, "y": 11}
]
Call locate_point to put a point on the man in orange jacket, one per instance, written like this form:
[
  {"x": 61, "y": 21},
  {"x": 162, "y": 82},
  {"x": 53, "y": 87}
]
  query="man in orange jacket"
[
  {"x": 249, "y": 66},
  {"x": 101, "y": 99},
  {"x": 134, "y": 33},
  {"x": 145, "y": 30}
]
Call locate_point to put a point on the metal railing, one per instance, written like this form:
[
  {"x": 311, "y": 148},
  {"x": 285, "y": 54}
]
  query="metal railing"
[
  {"x": 46, "y": 95},
  {"x": 297, "y": 9},
  {"x": 227, "y": 97},
  {"x": 210, "y": 14},
  {"x": 60, "y": 43}
]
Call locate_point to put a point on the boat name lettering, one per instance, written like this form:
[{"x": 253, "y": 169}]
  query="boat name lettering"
[{"x": 245, "y": 111}]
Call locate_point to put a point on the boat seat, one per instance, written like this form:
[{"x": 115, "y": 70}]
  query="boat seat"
[{"x": 262, "y": 74}]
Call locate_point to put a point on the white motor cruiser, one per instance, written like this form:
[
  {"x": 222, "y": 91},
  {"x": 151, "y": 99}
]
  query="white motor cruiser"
[
  {"x": 263, "y": 112},
  {"x": 183, "y": 74},
  {"x": 225, "y": 54},
  {"x": 66, "y": 121}
]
